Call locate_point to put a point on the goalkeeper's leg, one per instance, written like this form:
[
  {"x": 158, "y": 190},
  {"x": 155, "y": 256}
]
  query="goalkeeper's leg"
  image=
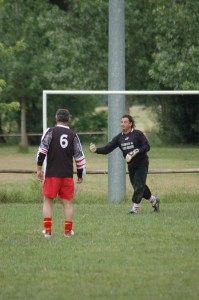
[
  {"x": 138, "y": 180},
  {"x": 154, "y": 200}
]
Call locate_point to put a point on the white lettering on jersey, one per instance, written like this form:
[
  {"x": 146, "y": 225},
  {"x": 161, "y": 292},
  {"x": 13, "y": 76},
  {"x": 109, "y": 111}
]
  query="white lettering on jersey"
[{"x": 127, "y": 146}]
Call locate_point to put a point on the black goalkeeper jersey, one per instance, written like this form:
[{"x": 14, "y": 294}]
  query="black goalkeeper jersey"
[
  {"x": 60, "y": 144},
  {"x": 127, "y": 143}
]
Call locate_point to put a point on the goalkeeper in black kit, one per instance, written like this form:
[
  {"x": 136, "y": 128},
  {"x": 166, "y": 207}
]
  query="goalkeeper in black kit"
[{"x": 134, "y": 146}]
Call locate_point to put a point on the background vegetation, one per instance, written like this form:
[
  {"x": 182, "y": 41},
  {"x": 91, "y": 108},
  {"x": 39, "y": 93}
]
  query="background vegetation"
[{"x": 58, "y": 50}]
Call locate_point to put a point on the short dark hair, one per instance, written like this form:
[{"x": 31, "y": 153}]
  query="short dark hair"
[
  {"x": 62, "y": 115},
  {"x": 130, "y": 118}
]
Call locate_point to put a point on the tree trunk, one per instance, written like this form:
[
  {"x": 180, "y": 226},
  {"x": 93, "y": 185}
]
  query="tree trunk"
[
  {"x": 127, "y": 108},
  {"x": 2, "y": 139},
  {"x": 24, "y": 138}
]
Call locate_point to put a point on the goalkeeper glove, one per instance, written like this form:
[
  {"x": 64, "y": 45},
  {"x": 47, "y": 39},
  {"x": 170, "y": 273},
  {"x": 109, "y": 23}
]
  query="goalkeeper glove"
[
  {"x": 92, "y": 147},
  {"x": 130, "y": 155}
]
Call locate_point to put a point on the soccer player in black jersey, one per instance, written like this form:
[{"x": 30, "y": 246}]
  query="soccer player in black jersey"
[
  {"x": 134, "y": 146},
  {"x": 60, "y": 145}
]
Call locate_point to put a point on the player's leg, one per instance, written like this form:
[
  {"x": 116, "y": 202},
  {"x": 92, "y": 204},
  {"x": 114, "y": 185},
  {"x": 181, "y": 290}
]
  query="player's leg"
[
  {"x": 147, "y": 193},
  {"x": 136, "y": 206},
  {"x": 154, "y": 200},
  {"x": 68, "y": 217},
  {"x": 47, "y": 207},
  {"x": 138, "y": 180},
  {"x": 47, "y": 216},
  {"x": 50, "y": 189},
  {"x": 66, "y": 194}
]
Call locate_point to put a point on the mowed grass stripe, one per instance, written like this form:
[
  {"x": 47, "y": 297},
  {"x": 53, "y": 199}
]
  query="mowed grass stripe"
[{"x": 112, "y": 255}]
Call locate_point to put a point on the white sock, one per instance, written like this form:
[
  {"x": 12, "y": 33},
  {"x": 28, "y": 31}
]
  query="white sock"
[
  {"x": 136, "y": 207},
  {"x": 152, "y": 199}
]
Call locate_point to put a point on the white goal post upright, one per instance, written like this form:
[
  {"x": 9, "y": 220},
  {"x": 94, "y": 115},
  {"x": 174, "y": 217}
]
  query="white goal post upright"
[{"x": 83, "y": 92}]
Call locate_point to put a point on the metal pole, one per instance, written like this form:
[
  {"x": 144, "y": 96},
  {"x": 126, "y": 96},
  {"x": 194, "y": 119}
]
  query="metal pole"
[
  {"x": 44, "y": 111},
  {"x": 44, "y": 120},
  {"x": 116, "y": 103}
]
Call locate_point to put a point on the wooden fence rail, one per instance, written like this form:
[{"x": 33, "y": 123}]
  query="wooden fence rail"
[
  {"x": 101, "y": 172},
  {"x": 40, "y": 134}
]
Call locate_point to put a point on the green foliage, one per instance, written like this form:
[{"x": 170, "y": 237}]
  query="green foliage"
[
  {"x": 77, "y": 105},
  {"x": 36, "y": 191},
  {"x": 7, "y": 196},
  {"x": 2, "y": 85},
  {"x": 8, "y": 52},
  {"x": 179, "y": 120},
  {"x": 26, "y": 194},
  {"x": 82, "y": 60},
  {"x": 63, "y": 4},
  {"x": 175, "y": 67},
  {"x": 140, "y": 44},
  {"x": 55, "y": 55},
  {"x": 8, "y": 124},
  {"x": 91, "y": 123},
  {"x": 13, "y": 106},
  {"x": 177, "y": 48},
  {"x": 67, "y": 48}
]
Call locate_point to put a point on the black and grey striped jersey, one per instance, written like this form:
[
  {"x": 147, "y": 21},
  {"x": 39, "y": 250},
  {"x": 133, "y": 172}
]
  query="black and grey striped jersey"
[
  {"x": 127, "y": 143},
  {"x": 60, "y": 144}
]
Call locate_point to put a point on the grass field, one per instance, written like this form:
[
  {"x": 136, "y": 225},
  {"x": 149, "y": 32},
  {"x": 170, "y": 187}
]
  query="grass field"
[{"x": 112, "y": 255}]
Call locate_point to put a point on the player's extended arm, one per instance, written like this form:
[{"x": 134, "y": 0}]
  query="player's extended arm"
[
  {"x": 108, "y": 148},
  {"x": 92, "y": 147}
]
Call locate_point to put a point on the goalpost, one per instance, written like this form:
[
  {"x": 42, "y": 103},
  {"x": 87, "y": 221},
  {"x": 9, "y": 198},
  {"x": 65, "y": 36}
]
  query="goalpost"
[{"x": 116, "y": 183}]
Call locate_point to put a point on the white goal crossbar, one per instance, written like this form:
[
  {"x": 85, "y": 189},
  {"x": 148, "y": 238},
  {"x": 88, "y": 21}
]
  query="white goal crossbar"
[{"x": 92, "y": 92}]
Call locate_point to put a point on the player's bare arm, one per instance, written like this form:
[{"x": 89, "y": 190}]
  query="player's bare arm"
[{"x": 39, "y": 175}]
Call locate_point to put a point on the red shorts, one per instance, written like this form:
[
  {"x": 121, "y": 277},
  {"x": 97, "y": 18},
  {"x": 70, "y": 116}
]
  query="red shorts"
[{"x": 61, "y": 187}]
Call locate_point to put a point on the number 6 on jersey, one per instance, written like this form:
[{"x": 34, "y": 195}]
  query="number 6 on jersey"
[{"x": 63, "y": 140}]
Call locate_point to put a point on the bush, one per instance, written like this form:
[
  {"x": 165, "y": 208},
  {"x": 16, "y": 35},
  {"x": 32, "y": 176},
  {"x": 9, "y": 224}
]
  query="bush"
[{"x": 96, "y": 121}]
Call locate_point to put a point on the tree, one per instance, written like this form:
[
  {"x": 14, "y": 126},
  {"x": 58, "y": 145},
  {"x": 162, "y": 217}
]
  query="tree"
[
  {"x": 140, "y": 44},
  {"x": 12, "y": 106},
  {"x": 178, "y": 119},
  {"x": 62, "y": 4},
  {"x": 177, "y": 46},
  {"x": 44, "y": 63},
  {"x": 66, "y": 47},
  {"x": 82, "y": 50},
  {"x": 21, "y": 70},
  {"x": 175, "y": 67}
]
